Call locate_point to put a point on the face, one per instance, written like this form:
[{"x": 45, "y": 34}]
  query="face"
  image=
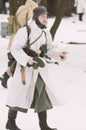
[{"x": 43, "y": 19}]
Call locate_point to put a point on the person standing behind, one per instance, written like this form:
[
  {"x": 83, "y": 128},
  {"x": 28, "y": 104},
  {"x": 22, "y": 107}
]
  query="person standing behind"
[
  {"x": 16, "y": 22},
  {"x": 80, "y": 8},
  {"x": 36, "y": 92}
]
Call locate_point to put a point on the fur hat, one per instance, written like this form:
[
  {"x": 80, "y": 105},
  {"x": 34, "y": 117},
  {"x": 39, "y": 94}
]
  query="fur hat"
[{"x": 38, "y": 11}]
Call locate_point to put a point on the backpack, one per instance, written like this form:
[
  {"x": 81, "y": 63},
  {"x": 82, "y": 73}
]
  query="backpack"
[{"x": 19, "y": 19}]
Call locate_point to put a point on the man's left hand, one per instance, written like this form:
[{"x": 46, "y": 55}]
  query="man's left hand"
[{"x": 63, "y": 55}]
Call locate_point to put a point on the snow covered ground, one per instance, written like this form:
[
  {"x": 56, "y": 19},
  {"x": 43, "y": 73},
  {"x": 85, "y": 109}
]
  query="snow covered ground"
[{"x": 70, "y": 82}]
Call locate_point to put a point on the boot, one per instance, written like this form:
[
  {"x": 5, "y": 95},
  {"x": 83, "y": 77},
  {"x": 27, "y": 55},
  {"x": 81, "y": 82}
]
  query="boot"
[
  {"x": 11, "y": 124},
  {"x": 43, "y": 121},
  {"x": 4, "y": 79}
]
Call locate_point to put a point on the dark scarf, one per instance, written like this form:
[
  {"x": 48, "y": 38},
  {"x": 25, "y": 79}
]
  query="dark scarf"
[{"x": 40, "y": 25}]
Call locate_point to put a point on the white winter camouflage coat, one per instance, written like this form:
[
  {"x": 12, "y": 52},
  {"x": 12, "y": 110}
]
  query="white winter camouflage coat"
[{"x": 21, "y": 95}]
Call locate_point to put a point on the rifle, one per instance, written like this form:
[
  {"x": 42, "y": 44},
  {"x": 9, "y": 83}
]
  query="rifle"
[{"x": 36, "y": 57}]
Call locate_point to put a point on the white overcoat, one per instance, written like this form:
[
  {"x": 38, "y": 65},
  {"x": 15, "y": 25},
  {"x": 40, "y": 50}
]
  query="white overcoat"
[
  {"x": 21, "y": 95},
  {"x": 80, "y": 6}
]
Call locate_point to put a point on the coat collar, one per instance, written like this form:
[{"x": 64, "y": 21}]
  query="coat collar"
[{"x": 32, "y": 23}]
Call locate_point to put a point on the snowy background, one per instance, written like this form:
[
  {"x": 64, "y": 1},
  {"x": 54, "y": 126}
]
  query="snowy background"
[{"x": 70, "y": 82}]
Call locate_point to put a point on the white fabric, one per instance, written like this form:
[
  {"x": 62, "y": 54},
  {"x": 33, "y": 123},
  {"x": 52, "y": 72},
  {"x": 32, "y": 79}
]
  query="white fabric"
[
  {"x": 80, "y": 6},
  {"x": 22, "y": 95}
]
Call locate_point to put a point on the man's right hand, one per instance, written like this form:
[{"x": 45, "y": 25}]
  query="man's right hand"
[{"x": 31, "y": 61}]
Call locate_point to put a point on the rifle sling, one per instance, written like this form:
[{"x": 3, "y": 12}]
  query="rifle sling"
[{"x": 36, "y": 38}]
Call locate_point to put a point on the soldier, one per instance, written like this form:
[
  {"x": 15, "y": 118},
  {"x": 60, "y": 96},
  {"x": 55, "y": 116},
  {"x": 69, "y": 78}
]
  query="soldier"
[
  {"x": 80, "y": 8},
  {"x": 14, "y": 25},
  {"x": 37, "y": 91},
  {"x": 12, "y": 28}
]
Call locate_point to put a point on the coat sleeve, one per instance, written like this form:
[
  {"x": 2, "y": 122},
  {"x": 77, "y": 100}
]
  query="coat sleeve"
[
  {"x": 52, "y": 49},
  {"x": 19, "y": 42}
]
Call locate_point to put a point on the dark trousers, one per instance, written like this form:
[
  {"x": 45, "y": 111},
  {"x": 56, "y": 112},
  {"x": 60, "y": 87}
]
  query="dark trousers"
[{"x": 80, "y": 16}]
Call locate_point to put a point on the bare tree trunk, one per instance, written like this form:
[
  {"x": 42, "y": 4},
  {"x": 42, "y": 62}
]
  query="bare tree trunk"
[{"x": 59, "y": 14}]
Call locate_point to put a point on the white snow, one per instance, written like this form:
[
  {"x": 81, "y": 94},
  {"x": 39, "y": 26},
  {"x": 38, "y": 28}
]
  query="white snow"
[{"x": 70, "y": 80}]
